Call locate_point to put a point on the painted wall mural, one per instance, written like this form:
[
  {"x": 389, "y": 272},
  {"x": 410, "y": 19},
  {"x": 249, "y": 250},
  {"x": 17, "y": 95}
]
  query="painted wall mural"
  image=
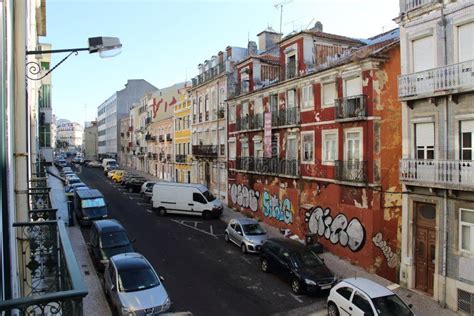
[
  {"x": 338, "y": 229},
  {"x": 390, "y": 256},
  {"x": 280, "y": 210},
  {"x": 244, "y": 197}
]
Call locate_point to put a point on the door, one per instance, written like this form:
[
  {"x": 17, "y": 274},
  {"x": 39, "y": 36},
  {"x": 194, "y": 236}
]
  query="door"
[
  {"x": 425, "y": 246},
  {"x": 238, "y": 234},
  {"x": 199, "y": 203},
  {"x": 207, "y": 174},
  {"x": 360, "y": 305}
]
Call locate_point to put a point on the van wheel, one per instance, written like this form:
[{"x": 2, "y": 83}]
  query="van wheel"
[
  {"x": 162, "y": 211},
  {"x": 206, "y": 214},
  {"x": 226, "y": 237}
]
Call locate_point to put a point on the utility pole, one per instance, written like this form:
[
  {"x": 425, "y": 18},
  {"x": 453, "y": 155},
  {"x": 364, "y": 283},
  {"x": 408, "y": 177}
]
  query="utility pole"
[{"x": 281, "y": 4}]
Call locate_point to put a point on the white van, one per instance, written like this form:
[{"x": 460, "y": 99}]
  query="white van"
[
  {"x": 185, "y": 198},
  {"x": 107, "y": 162}
]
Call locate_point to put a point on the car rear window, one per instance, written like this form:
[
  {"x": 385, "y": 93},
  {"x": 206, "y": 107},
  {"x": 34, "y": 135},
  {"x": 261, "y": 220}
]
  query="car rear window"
[{"x": 137, "y": 279}]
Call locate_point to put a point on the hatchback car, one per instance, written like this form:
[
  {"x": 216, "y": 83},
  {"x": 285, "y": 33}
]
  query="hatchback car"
[
  {"x": 69, "y": 190},
  {"x": 118, "y": 175},
  {"x": 298, "y": 264},
  {"x": 360, "y": 296},
  {"x": 134, "y": 184},
  {"x": 111, "y": 173},
  {"x": 245, "y": 233},
  {"x": 134, "y": 287}
]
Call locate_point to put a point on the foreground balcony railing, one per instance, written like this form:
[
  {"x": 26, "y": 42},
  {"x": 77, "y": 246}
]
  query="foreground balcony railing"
[
  {"x": 52, "y": 282},
  {"x": 205, "y": 151},
  {"x": 351, "y": 108},
  {"x": 451, "y": 78},
  {"x": 288, "y": 116},
  {"x": 275, "y": 165},
  {"x": 451, "y": 173},
  {"x": 351, "y": 171},
  {"x": 414, "y": 4}
]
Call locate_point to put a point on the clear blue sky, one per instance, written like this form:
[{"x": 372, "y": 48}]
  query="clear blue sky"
[{"x": 164, "y": 40}]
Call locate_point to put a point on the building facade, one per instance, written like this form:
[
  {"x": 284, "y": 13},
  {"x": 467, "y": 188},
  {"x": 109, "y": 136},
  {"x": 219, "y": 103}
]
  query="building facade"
[
  {"x": 112, "y": 110},
  {"x": 125, "y": 142},
  {"x": 138, "y": 118},
  {"x": 70, "y": 135},
  {"x": 209, "y": 91},
  {"x": 182, "y": 138},
  {"x": 90, "y": 140},
  {"x": 313, "y": 143},
  {"x": 437, "y": 93}
]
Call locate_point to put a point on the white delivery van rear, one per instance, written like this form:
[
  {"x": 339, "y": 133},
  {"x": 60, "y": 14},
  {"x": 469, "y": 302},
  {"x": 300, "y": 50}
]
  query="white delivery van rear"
[{"x": 184, "y": 198}]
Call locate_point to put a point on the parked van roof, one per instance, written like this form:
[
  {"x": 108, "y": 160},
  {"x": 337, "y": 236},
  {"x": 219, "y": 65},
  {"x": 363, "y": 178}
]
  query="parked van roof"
[
  {"x": 89, "y": 194},
  {"x": 200, "y": 187}
]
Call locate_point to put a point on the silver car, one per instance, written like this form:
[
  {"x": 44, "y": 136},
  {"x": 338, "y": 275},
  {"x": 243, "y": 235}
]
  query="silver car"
[
  {"x": 246, "y": 233},
  {"x": 133, "y": 286}
]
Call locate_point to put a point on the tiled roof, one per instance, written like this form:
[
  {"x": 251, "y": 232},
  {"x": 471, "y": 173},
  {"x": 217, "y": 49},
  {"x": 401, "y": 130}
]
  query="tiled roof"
[{"x": 336, "y": 37}]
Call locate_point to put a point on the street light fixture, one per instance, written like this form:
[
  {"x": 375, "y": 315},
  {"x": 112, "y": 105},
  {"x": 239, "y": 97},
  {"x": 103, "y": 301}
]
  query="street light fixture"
[{"x": 105, "y": 46}]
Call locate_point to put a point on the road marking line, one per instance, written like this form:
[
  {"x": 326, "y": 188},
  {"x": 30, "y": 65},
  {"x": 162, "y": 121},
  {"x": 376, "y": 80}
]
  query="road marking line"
[
  {"x": 297, "y": 298},
  {"x": 192, "y": 227},
  {"x": 139, "y": 203},
  {"x": 149, "y": 211},
  {"x": 134, "y": 198},
  {"x": 195, "y": 224},
  {"x": 212, "y": 231}
]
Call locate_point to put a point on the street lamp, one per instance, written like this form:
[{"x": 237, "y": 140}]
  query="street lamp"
[{"x": 105, "y": 46}]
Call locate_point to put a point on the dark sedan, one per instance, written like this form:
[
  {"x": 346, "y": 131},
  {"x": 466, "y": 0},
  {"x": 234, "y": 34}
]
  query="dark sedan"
[
  {"x": 135, "y": 184},
  {"x": 296, "y": 263}
]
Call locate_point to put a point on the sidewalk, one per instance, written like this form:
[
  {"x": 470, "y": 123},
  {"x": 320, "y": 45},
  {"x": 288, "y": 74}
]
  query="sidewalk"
[{"x": 95, "y": 302}]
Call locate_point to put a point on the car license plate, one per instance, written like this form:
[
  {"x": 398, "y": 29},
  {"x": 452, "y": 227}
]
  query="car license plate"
[{"x": 325, "y": 287}]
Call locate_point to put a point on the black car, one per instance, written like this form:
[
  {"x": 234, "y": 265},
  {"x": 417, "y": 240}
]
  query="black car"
[
  {"x": 296, "y": 263},
  {"x": 135, "y": 184},
  {"x": 108, "y": 238},
  {"x": 127, "y": 178}
]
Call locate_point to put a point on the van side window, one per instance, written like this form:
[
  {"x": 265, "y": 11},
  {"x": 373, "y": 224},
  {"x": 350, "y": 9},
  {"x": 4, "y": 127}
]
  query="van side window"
[{"x": 197, "y": 197}]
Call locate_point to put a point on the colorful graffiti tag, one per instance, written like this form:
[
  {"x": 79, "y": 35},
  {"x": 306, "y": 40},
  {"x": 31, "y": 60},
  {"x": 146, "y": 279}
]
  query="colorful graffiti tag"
[
  {"x": 244, "y": 197},
  {"x": 280, "y": 210},
  {"x": 392, "y": 258},
  {"x": 338, "y": 230}
]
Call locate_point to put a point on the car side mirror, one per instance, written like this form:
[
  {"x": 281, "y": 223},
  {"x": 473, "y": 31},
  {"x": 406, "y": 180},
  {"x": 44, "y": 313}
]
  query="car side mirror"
[
  {"x": 240, "y": 233},
  {"x": 162, "y": 279}
]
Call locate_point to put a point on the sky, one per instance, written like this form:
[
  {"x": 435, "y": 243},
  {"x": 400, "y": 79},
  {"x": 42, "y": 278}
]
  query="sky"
[{"x": 164, "y": 40}]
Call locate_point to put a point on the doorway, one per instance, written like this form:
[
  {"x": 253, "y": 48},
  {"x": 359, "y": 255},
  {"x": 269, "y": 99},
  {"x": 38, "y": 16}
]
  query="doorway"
[{"x": 425, "y": 246}]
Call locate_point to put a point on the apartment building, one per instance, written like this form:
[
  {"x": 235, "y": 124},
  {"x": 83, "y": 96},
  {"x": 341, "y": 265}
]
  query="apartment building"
[
  {"x": 125, "y": 142},
  {"x": 70, "y": 134},
  {"x": 112, "y": 110},
  {"x": 90, "y": 141},
  {"x": 46, "y": 144},
  {"x": 314, "y": 142},
  {"x": 182, "y": 138},
  {"x": 139, "y": 119},
  {"x": 209, "y": 90},
  {"x": 437, "y": 170}
]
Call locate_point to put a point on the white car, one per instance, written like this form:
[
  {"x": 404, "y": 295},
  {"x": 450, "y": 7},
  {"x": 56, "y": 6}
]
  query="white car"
[{"x": 360, "y": 296}]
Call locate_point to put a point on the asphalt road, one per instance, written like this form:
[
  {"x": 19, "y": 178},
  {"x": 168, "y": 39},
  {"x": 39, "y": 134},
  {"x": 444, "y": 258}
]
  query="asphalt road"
[{"x": 203, "y": 274}]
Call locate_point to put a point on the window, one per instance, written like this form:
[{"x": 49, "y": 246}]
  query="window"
[
  {"x": 345, "y": 292},
  {"x": 466, "y": 230},
  {"x": 329, "y": 146},
  {"x": 307, "y": 147},
  {"x": 353, "y": 87},
  {"x": 244, "y": 77},
  {"x": 291, "y": 102},
  {"x": 245, "y": 109},
  {"x": 424, "y": 141},
  {"x": 232, "y": 113},
  {"x": 197, "y": 197},
  {"x": 291, "y": 148},
  {"x": 329, "y": 94},
  {"x": 362, "y": 303},
  {"x": 465, "y": 42},
  {"x": 467, "y": 132},
  {"x": 274, "y": 103},
  {"x": 307, "y": 92},
  {"x": 423, "y": 54},
  {"x": 258, "y": 148},
  {"x": 353, "y": 146},
  {"x": 258, "y": 107},
  {"x": 245, "y": 148}
]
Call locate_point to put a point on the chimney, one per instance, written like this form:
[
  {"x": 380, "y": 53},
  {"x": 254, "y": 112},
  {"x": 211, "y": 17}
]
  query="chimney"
[
  {"x": 221, "y": 57},
  {"x": 318, "y": 27},
  {"x": 268, "y": 38},
  {"x": 213, "y": 61},
  {"x": 228, "y": 50},
  {"x": 252, "y": 48}
]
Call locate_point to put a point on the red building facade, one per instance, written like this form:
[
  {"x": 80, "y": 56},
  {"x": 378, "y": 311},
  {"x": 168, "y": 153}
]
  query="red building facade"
[{"x": 314, "y": 143}]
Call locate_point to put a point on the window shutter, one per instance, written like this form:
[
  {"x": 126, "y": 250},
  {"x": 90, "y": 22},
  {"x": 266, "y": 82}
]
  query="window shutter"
[
  {"x": 353, "y": 87},
  {"x": 466, "y": 42},
  {"x": 423, "y": 54},
  {"x": 424, "y": 134}
]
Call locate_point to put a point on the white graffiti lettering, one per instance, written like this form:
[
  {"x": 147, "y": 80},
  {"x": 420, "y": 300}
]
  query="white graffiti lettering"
[
  {"x": 337, "y": 230},
  {"x": 280, "y": 210},
  {"x": 392, "y": 258},
  {"x": 244, "y": 197}
]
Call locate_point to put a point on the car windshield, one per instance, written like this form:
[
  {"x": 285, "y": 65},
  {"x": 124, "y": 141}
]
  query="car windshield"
[
  {"x": 306, "y": 258},
  {"x": 253, "y": 229},
  {"x": 97, "y": 202},
  {"x": 74, "y": 180},
  {"x": 114, "y": 239},
  {"x": 137, "y": 279},
  {"x": 209, "y": 197},
  {"x": 391, "y": 305}
]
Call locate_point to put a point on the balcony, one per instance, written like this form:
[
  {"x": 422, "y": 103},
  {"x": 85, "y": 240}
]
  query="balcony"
[
  {"x": 455, "y": 174},
  {"x": 285, "y": 117},
  {"x": 168, "y": 137},
  {"x": 208, "y": 75},
  {"x": 242, "y": 123},
  {"x": 444, "y": 80},
  {"x": 180, "y": 158},
  {"x": 209, "y": 151},
  {"x": 220, "y": 113},
  {"x": 150, "y": 138},
  {"x": 130, "y": 128},
  {"x": 256, "y": 121},
  {"x": 161, "y": 138},
  {"x": 273, "y": 166},
  {"x": 162, "y": 157},
  {"x": 351, "y": 171},
  {"x": 154, "y": 156},
  {"x": 351, "y": 108},
  {"x": 414, "y": 4},
  {"x": 148, "y": 121},
  {"x": 54, "y": 282}
]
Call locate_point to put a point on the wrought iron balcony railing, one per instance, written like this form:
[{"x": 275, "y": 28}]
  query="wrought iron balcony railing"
[
  {"x": 256, "y": 121},
  {"x": 53, "y": 282},
  {"x": 440, "y": 173},
  {"x": 351, "y": 171},
  {"x": 148, "y": 120},
  {"x": 209, "y": 151},
  {"x": 288, "y": 116},
  {"x": 169, "y": 137},
  {"x": 242, "y": 123},
  {"x": 351, "y": 108},
  {"x": 437, "y": 81},
  {"x": 273, "y": 166}
]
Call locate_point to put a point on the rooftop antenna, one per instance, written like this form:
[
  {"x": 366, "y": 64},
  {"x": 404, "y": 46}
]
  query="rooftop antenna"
[
  {"x": 309, "y": 24},
  {"x": 281, "y": 4}
]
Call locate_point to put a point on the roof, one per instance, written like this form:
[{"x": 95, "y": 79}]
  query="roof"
[
  {"x": 200, "y": 187},
  {"x": 89, "y": 194},
  {"x": 323, "y": 35},
  {"x": 130, "y": 260},
  {"x": 371, "y": 288},
  {"x": 108, "y": 225}
]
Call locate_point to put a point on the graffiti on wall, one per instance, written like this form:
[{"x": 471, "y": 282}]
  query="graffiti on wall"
[
  {"x": 280, "y": 210},
  {"x": 338, "y": 230},
  {"x": 244, "y": 197},
  {"x": 390, "y": 256},
  {"x": 156, "y": 105}
]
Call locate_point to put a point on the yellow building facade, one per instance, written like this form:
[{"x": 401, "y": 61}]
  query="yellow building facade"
[{"x": 182, "y": 138}]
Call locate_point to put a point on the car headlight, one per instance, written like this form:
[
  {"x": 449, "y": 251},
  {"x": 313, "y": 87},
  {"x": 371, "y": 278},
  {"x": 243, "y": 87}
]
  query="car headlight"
[
  {"x": 167, "y": 304},
  {"x": 125, "y": 310},
  {"x": 309, "y": 282}
]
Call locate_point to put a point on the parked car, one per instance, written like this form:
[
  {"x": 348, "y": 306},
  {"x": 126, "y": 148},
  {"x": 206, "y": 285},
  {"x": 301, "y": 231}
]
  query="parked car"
[
  {"x": 134, "y": 184},
  {"x": 360, "y": 296},
  {"x": 111, "y": 173},
  {"x": 109, "y": 168},
  {"x": 89, "y": 205},
  {"x": 133, "y": 286},
  {"x": 148, "y": 185},
  {"x": 72, "y": 179},
  {"x": 65, "y": 170},
  {"x": 117, "y": 176},
  {"x": 185, "y": 198},
  {"x": 61, "y": 163},
  {"x": 70, "y": 189},
  {"x": 94, "y": 164},
  {"x": 127, "y": 177},
  {"x": 296, "y": 263},
  {"x": 108, "y": 238},
  {"x": 245, "y": 233}
]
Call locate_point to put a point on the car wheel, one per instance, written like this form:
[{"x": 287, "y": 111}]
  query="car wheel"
[
  {"x": 332, "y": 309},
  {"x": 226, "y": 237},
  {"x": 206, "y": 214},
  {"x": 141, "y": 194},
  {"x": 296, "y": 286},
  {"x": 162, "y": 211},
  {"x": 264, "y": 266},
  {"x": 243, "y": 248}
]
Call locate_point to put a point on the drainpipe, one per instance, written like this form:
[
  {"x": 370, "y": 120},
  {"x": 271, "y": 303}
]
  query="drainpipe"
[{"x": 218, "y": 145}]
